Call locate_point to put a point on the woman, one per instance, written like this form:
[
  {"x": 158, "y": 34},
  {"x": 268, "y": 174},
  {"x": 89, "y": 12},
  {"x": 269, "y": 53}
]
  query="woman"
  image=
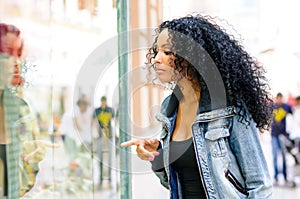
[{"x": 209, "y": 145}]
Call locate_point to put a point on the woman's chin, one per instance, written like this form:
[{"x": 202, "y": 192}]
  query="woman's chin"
[{"x": 164, "y": 80}]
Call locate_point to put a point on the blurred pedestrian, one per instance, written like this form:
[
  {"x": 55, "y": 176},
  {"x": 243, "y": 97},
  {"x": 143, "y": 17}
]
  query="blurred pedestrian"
[
  {"x": 83, "y": 119},
  {"x": 104, "y": 115},
  {"x": 291, "y": 100},
  {"x": 279, "y": 134},
  {"x": 77, "y": 128},
  {"x": 209, "y": 145},
  {"x": 293, "y": 129},
  {"x": 71, "y": 138}
]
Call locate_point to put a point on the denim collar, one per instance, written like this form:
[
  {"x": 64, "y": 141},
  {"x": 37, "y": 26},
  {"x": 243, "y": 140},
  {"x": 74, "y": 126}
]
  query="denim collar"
[
  {"x": 216, "y": 114},
  {"x": 204, "y": 114}
]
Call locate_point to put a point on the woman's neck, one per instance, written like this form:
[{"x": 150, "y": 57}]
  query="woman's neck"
[{"x": 190, "y": 95}]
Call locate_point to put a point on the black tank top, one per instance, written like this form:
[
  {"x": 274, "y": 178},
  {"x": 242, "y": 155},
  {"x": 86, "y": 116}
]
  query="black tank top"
[{"x": 183, "y": 160}]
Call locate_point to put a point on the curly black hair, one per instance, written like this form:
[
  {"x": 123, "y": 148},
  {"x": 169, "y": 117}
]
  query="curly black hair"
[{"x": 243, "y": 78}]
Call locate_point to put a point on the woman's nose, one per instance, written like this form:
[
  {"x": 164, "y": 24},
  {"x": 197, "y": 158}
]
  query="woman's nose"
[{"x": 157, "y": 58}]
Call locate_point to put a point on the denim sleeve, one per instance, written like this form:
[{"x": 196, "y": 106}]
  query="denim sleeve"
[
  {"x": 245, "y": 144},
  {"x": 157, "y": 166}
]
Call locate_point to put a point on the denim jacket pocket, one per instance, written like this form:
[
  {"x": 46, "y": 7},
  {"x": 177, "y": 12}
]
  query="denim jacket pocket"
[
  {"x": 237, "y": 185},
  {"x": 216, "y": 139}
]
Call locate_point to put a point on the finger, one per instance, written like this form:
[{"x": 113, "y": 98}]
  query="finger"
[
  {"x": 153, "y": 145},
  {"x": 153, "y": 141},
  {"x": 130, "y": 143},
  {"x": 145, "y": 154},
  {"x": 148, "y": 142},
  {"x": 155, "y": 153},
  {"x": 146, "y": 157}
]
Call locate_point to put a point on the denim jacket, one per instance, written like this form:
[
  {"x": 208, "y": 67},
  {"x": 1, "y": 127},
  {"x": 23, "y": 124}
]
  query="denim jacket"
[{"x": 229, "y": 155}]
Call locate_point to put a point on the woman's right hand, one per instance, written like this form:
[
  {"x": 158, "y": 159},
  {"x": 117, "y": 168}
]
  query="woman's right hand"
[{"x": 146, "y": 148}]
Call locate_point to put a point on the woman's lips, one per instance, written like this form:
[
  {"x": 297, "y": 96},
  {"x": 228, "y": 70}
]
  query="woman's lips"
[{"x": 159, "y": 70}]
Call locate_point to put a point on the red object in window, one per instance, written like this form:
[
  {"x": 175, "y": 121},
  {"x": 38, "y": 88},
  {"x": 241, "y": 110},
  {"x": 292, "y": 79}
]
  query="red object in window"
[{"x": 12, "y": 44}]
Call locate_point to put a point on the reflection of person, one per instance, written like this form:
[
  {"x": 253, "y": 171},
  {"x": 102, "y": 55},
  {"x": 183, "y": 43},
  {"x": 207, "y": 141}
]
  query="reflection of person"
[
  {"x": 19, "y": 153},
  {"x": 104, "y": 115},
  {"x": 209, "y": 148},
  {"x": 83, "y": 118},
  {"x": 279, "y": 129},
  {"x": 11, "y": 44},
  {"x": 71, "y": 139},
  {"x": 77, "y": 128}
]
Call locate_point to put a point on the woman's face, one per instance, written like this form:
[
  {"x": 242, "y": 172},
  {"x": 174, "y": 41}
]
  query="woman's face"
[{"x": 164, "y": 58}]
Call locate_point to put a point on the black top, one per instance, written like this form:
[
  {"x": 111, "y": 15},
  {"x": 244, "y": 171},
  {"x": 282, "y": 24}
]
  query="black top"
[{"x": 183, "y": 160}]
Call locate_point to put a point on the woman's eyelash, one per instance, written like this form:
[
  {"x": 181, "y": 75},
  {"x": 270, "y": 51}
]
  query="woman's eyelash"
[{"x": 168, "y": 52}]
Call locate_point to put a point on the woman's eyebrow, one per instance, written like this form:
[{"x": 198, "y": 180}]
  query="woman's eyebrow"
[{"x": 165, "y": 46}]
